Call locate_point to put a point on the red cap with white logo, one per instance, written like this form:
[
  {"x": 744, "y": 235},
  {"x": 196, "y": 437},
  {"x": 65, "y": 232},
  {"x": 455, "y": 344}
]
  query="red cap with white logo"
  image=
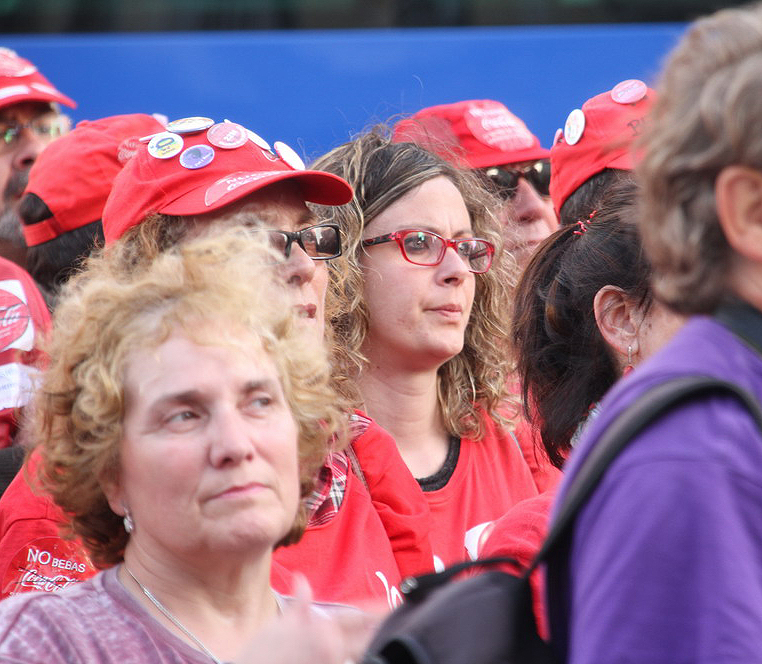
[
  {"x": 479, "y": 133},
  {"x": 20, "y": 81},
  {"x": 198, "y": 166},
  {"x": 599, "y": 135},
  {"x": 73, "y": 175}
]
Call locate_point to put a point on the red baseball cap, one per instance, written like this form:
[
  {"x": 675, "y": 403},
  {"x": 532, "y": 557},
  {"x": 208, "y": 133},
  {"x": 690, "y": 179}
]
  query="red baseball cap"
[
  {"x": 73, "y": 175},
  {"x": 197, "y": 166},
  {"x": 597, "y": 136},
  {"x": 25, "y": 321},
  {"x": 479, "y": 132},
  {"x": 20, "y": 81}
]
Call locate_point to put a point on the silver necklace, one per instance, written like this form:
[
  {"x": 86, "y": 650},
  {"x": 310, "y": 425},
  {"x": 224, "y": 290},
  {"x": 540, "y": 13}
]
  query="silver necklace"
[{"x": 168, "y": 615}]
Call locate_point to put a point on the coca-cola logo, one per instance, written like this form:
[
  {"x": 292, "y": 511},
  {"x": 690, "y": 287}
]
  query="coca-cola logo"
[
  {"x": 33, "y": 580},
  {"x": 48, "y": 564},
  {"x": 14, "y": 318}
]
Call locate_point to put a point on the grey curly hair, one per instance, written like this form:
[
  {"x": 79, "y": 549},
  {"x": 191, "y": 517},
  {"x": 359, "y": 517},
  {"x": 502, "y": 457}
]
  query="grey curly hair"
[{"x": 708, "y": 116}]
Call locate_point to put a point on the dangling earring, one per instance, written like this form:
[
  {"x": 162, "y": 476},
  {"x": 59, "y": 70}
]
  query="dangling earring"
[
  {"x": 129, "y": 524},
  {"x": 629, "y": 366}
]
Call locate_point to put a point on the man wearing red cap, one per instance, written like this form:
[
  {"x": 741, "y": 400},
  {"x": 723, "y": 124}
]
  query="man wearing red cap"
[
  {"x": 595, "y": 148},
  {"x": 484, "y": 135},
  {"x": 29, "y": 120},
  {"x": 68, "y": 186}
]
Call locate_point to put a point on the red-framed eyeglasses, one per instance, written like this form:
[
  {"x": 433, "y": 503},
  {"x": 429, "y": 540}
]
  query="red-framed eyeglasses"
[{"x": 427, "y": 248}]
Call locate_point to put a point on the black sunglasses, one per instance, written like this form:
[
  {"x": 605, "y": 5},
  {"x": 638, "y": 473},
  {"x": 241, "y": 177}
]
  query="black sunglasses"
[{"x": 506, "y": 178}]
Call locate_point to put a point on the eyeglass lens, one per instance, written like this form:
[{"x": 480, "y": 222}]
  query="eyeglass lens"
[
  {"x": 425, "y": 248},
  {"x": 507, "y": 179},
  {"x": 319, "y": 242},
  {"x": 43, "y": 127}
]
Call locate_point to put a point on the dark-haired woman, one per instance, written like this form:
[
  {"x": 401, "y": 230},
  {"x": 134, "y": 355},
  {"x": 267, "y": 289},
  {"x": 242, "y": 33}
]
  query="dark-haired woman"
[{"x": 584, "y": 316}]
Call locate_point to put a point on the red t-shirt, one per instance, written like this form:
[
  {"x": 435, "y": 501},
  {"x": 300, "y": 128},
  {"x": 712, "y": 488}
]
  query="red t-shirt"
[
  {"x": 378, "y": 535},
  {"x": 348, "y": 560},
  {"x": 33, "y": 555},
  {"x": 519, "y": 534},
  {"x": 490, "y": 477}
]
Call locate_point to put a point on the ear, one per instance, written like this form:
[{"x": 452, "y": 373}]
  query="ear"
[
  {"x": 738, "y": 198},
  {"x": 618, "y": 320},
  {"x": 112, "y": 489}
]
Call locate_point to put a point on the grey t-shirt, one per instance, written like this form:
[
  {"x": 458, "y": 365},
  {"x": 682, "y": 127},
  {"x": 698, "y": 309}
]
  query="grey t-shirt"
[{"x": 94, "y": 622}]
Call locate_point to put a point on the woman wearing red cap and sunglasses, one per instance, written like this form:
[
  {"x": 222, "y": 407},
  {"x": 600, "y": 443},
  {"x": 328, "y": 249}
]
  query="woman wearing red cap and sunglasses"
[{"x": 417, "y": 304}]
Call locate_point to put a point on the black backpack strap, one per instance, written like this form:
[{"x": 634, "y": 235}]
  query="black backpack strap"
[{"x": 643, "y": 411}]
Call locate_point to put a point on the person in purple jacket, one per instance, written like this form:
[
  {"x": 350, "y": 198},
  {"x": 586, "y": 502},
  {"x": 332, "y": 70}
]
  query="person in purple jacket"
[{"x": 665, "y": 559}]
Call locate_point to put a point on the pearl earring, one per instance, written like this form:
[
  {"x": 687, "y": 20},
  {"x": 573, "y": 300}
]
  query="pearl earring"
[{"x": 129, "y": 524}]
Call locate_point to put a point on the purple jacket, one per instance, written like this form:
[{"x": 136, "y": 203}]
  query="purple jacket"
[{"x": 665, "y": 563}]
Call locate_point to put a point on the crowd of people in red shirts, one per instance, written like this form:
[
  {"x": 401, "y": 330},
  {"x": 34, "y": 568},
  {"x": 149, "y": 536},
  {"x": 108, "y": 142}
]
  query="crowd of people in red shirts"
[{"x": 243, "y": 398}]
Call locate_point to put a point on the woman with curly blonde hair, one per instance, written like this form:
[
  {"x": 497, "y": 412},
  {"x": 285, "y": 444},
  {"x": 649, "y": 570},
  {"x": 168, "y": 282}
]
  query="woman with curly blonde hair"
[
  {"x": 182, "y": 424},
  {"x": 419, "y": 304}
]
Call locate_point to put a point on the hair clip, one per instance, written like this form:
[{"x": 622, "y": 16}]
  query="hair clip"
[{"x": 583, "y": 223}]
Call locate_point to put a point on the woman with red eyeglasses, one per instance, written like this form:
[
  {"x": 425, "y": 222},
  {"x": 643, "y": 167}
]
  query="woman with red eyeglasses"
[{"x": 419, "y": 305}]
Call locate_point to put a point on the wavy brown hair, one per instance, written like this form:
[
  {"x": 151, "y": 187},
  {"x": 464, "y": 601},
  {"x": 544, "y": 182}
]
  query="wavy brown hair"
[
  {"x": 112, "y": 310},
  {"x": 708, "y": 115},
  {"x": 381, "y": 172}
]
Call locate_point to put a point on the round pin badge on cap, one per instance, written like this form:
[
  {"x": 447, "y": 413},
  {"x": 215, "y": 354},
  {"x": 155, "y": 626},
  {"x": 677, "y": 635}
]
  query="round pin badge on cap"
[
  {"x": 227, "y": 135},
  {"x": 165, "y": 145},
  {"x": 258, "y": 140},
  {"x": 629, "y": 91},
  {"x": 287, "y": 154},
  {"x": 190, "y": 125},
  {"x": 557, "y": 137},
  {"x": 197, "y": 156},
  {"x": 574, "y": 127}
]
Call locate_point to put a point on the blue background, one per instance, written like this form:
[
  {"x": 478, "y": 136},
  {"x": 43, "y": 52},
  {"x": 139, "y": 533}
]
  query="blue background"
[{"x": 312, "y": 89}]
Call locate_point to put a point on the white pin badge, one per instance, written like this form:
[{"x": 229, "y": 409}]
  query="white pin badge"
[
  {"x": 190, "y": 125},
  {"x": 258, "y": 140},
  {"x": 574, "y": 127},
  {"x": 630, "y": 91},
  {"x": 287, "y": 154},
  {"x": 165, "y": 145}
]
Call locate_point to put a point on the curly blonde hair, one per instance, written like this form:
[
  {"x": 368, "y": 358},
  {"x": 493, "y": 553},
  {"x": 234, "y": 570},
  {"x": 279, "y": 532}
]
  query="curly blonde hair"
[
  {"x": 112, "y": 310},
  {"x": 381, "y": 172},
  {"x": 708, "y": 115}
]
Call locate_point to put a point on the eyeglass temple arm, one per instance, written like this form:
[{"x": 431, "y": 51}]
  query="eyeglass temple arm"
[{"x": 377, "y": 240}]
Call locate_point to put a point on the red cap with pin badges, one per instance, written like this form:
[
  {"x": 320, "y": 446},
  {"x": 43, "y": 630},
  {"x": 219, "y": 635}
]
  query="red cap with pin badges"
[
  {"x": 599, "y": 135},
  {"x": 197, "y": 165}
]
